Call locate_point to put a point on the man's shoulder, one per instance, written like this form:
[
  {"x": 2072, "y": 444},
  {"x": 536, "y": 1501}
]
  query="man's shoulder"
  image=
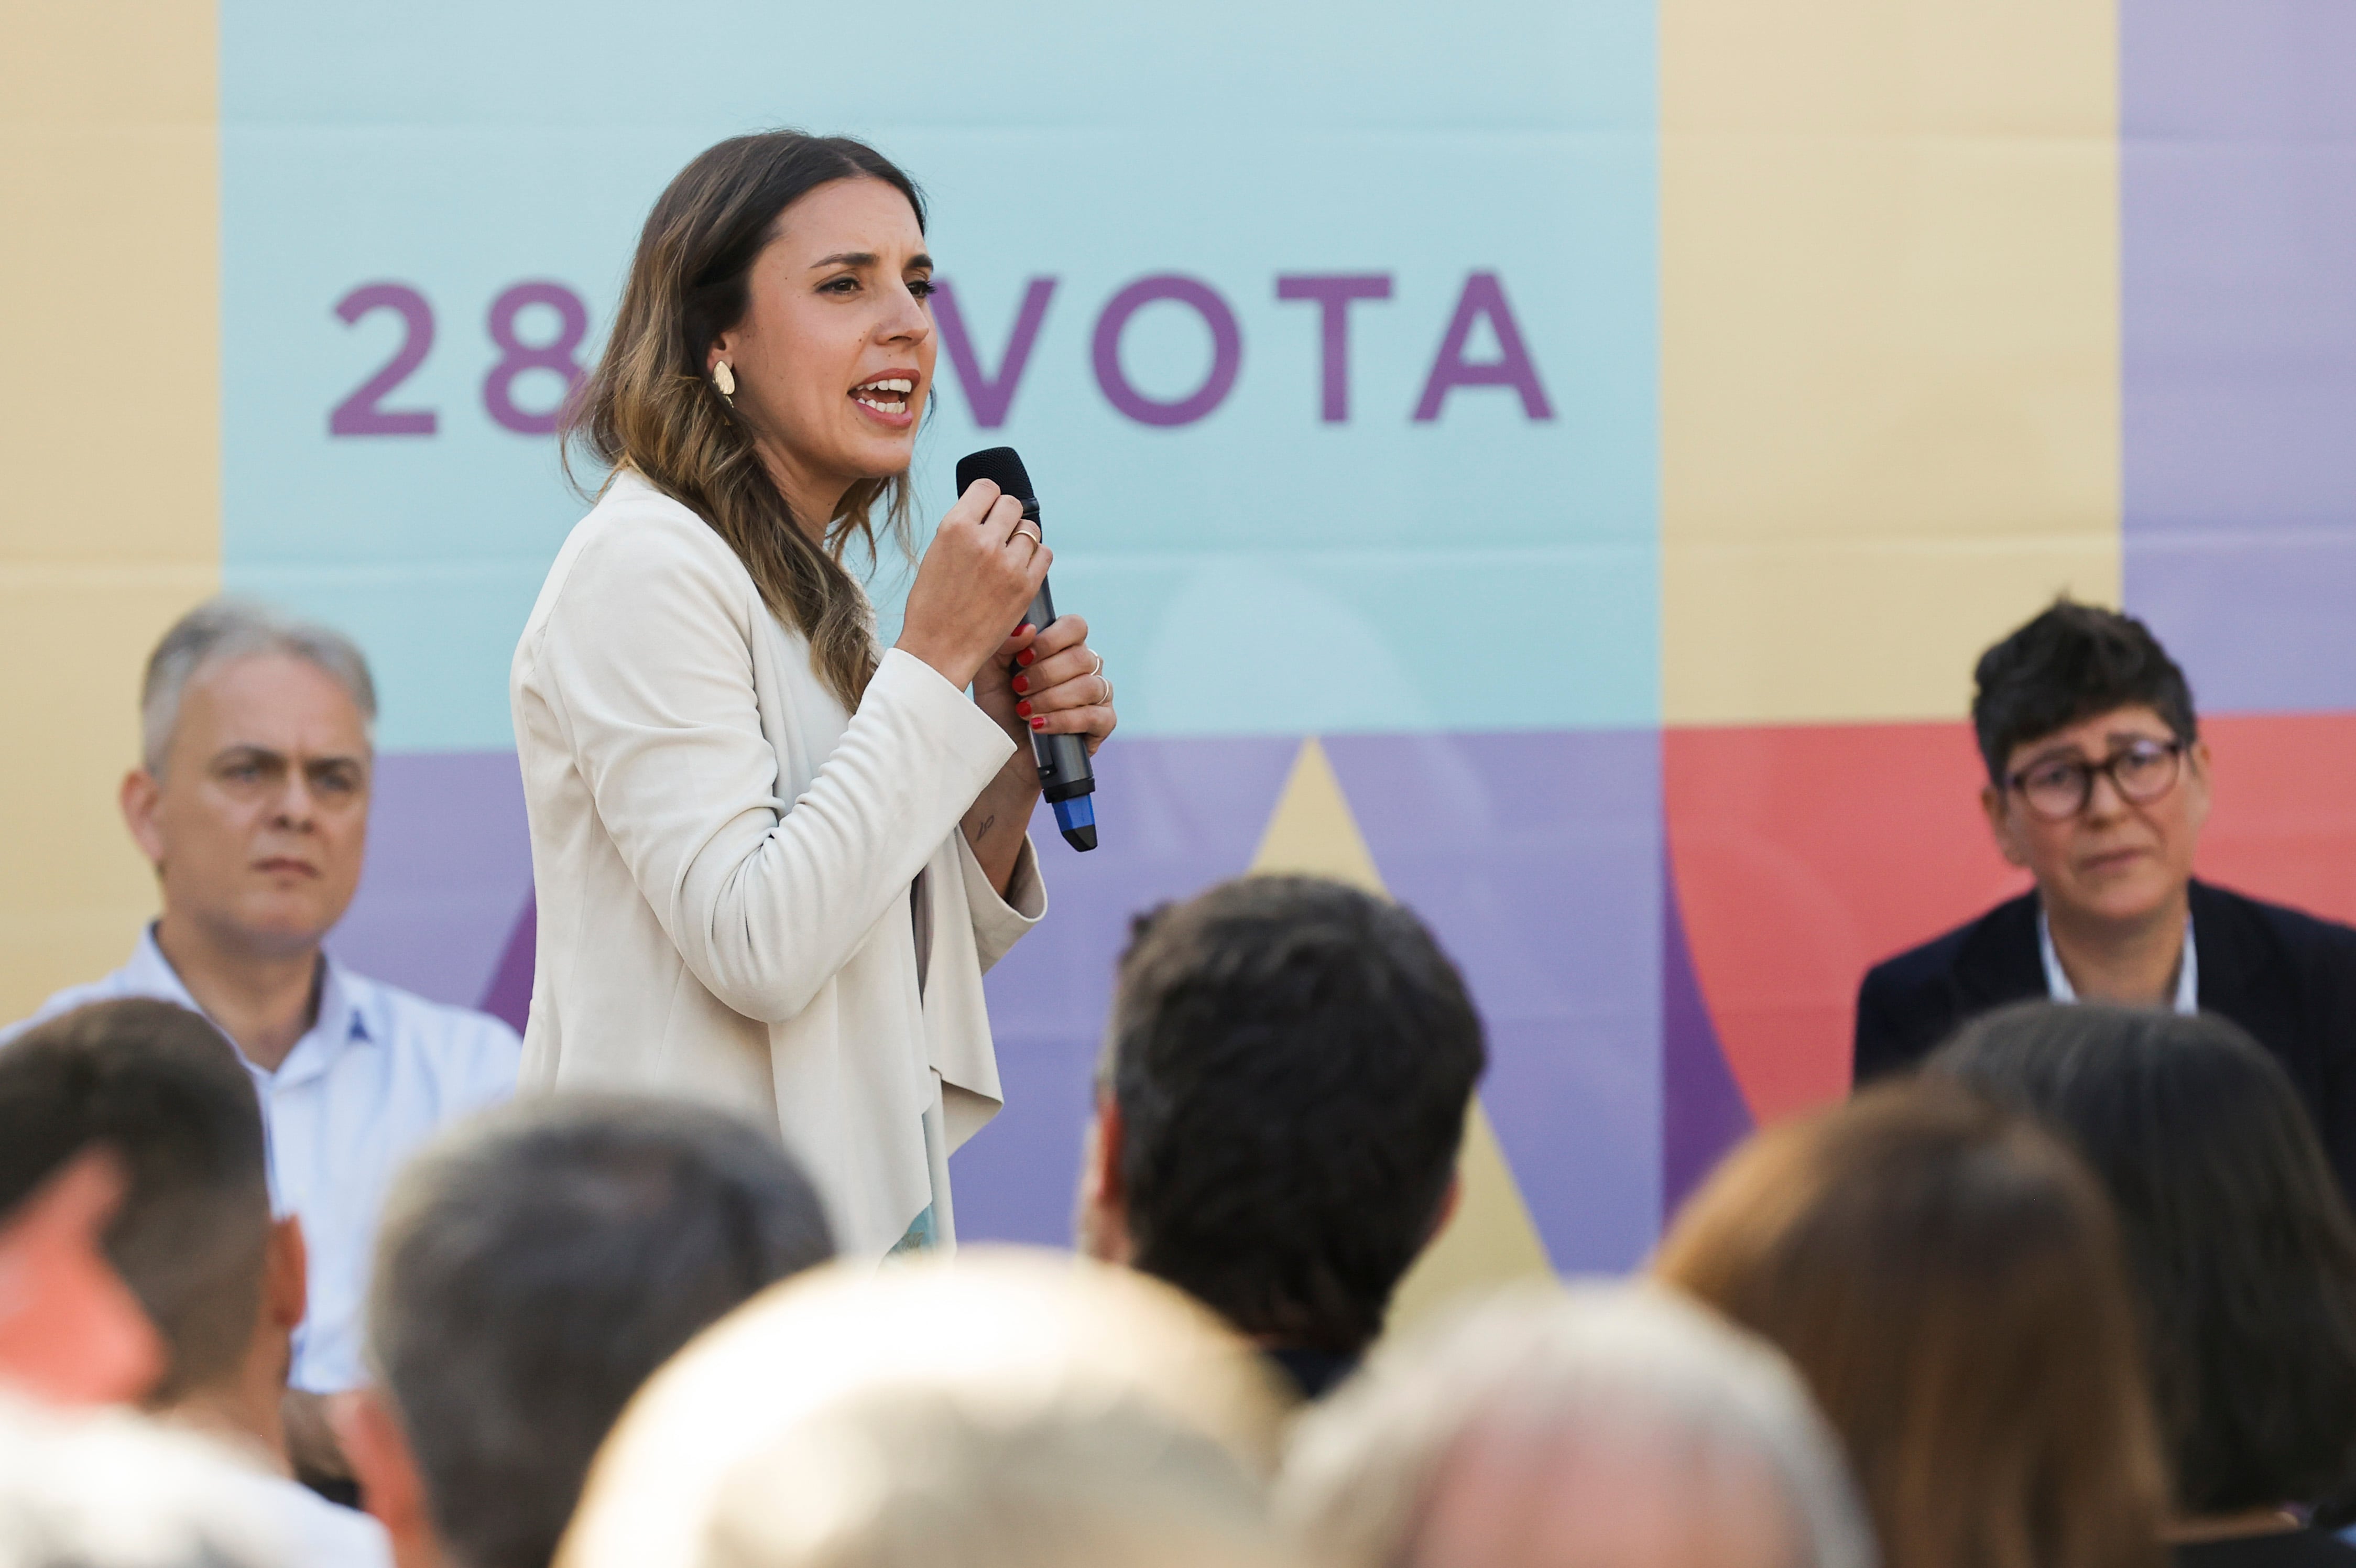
[
  {"x": 332, "y": 1536},
  {"x": 314, "y": 1532},
  {"x": 460, "y": 1043}
]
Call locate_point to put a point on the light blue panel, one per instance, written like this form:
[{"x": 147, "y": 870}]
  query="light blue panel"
[{"x": 1260, "y": 571}]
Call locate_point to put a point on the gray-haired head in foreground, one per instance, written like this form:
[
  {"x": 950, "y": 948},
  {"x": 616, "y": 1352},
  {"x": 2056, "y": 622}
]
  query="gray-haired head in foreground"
[
  {"x": 539, "y": 1263},
  {"x": 1552, "y": 1378},
  {"x": 225, "y": 628}
]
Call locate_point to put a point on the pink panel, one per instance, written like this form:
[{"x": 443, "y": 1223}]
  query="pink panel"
[
  {"x": 1803, "y": 854},
  {"x": 2284, "y": 826}
]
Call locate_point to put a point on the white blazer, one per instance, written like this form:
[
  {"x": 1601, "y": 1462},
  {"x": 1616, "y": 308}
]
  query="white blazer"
[{"x": 724, "y": 860}]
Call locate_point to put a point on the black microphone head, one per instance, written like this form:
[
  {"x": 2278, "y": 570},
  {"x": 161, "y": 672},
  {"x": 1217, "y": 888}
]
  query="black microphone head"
[{"x": 1001, "y": 467}]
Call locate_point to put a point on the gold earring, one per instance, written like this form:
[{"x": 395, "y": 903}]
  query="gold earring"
[{"x": 724, "y": 379}]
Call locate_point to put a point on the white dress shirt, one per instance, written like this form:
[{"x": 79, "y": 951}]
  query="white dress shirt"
[
  {"x": 311, "y": 1531},
  {"x": 379, "y": 1071},
  {"x": 724, "y": 859},
  {"x": 315, "y": 1532},
  {"x": 125, "y": 1487},
  {"x": 2057, "y": 979}
]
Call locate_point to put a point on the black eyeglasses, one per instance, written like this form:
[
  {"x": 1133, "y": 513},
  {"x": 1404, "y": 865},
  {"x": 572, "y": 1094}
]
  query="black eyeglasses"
[{"x": 2141, "y": 771}]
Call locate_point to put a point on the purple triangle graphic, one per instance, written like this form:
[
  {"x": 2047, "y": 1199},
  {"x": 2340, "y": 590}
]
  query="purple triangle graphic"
[
  {"x": 1702, "y": 1110},
  {"x": 449, "y": 848},
  {"x": 508, "y": 995}
]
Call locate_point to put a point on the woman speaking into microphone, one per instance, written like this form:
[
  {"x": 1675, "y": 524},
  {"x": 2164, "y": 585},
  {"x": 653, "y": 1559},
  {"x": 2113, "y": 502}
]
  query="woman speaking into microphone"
[{"x": 773, "y": 860}]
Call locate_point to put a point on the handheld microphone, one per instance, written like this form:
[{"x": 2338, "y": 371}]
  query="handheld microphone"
[{"x": 1066, "y": 777}]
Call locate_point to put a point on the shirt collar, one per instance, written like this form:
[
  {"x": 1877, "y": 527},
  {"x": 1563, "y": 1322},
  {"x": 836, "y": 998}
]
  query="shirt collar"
[
  {"x": 2057, "y": 979},
  {"x": 342, "y": 1002},
  {"x": 150, "y": 973},
  {"x": 342, "y": 1020}
]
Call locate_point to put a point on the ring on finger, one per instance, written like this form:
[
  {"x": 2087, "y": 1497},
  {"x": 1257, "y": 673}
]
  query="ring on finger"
[
  {"x": 1105, "y": 700},
  {"x": 1100, "y": 658},
  {"x": 1022, "y": 531}
]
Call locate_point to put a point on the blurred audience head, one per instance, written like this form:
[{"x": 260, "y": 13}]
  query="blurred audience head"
[
  {"x": 535, "y": 1266},
  {"x": 71, "y": 1331},
  {"x": 252, "y": 798},
  {"x": 1280, "y": 1106},
  {"x": 2239, "y": 1241},
  {"x": 2076, "y": 689},
  {"x": 1948, "y": 1279},
  {"x": 926, "y": 1478},
  {"x": 106, "y": 1489},
  {"x": 192, "y": 1235},
  {"x": 1592, "y": 1427},
  {"x": 1005, "y": 1408}
]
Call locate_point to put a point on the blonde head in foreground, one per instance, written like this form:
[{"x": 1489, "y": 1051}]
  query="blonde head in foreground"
[{"x": 1010, "y": 1408}]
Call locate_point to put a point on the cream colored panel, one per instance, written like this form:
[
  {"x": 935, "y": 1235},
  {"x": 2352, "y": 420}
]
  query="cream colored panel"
[
  {"x": 1491, "y": 1238},
  {"x": 1889, "y": 345},
  {"x": 110, "y": 430},
  {"x": 1311, "y": 832}
]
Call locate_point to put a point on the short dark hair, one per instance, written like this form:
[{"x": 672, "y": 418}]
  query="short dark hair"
[
  {"x": 1292, "y": 1060},
  {"x": 537, "y": 1265},
  {"x": 2242, "y": 1246},
  {"x": 167, "y": 1092},
  {"x": 2069, "y": 663}
]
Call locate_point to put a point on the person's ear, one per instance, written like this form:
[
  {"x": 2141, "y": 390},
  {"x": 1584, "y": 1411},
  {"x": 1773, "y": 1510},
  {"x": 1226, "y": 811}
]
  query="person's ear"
[
  {"x": 369, "y": 1432},
  {"x": 1103, "y": 1220},
  {"x": 142, "y": 797},
  {"x": 285, "y": 1284},
  {"x": 1448, "y": 1202},
  {"x": 1996, "y": 804}
]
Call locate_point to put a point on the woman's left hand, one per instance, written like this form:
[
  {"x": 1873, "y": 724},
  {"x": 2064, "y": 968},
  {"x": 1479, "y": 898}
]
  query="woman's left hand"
[{"x": 1057, "y": 685}]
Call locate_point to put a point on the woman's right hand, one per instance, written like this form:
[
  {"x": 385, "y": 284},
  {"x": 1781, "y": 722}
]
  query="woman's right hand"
[{"x": 976, "y": 581}]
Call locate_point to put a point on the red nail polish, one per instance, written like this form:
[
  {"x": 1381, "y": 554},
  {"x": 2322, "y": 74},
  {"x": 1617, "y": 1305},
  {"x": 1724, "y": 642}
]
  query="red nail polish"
[
  {"x": 1025, "y": 656},
  {"x": 1038, "y": 723},
  {"x": 1022, "y": 682},
  {"x": 1022, "y": 708}
]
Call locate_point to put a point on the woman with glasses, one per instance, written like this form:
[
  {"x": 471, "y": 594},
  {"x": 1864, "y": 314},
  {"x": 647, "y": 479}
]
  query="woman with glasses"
[{"x": 2098, "y": 787}]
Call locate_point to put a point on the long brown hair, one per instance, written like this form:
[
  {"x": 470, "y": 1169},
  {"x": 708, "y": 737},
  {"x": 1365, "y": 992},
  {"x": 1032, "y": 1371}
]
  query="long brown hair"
[
  {"x": 2237, "y": 1234},
  {"x": 649, "y": 404},
  {"x": 1950, "y": 1282}
]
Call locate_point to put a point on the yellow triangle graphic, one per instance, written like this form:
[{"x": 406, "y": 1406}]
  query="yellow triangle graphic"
[
  {"x": 1491, "y": 1239},
  {"x": 1312, "y": 832}
]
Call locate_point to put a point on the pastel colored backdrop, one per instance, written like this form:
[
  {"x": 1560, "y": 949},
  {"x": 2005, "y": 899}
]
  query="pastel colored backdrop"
[{"x": 1556, "y": 463}]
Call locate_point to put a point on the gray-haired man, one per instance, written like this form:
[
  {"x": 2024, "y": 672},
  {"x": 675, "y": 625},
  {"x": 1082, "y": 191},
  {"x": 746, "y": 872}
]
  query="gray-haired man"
[
  {"x": 252, "y": 802},
  {"x": 537, "y": 1266}
]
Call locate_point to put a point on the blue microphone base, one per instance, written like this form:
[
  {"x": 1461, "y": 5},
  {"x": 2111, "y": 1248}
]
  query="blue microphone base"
[{"x": 1077, "y": 818}]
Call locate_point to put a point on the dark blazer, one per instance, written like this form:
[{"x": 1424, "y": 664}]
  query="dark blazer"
[{"x": 2286, "y": 977}]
